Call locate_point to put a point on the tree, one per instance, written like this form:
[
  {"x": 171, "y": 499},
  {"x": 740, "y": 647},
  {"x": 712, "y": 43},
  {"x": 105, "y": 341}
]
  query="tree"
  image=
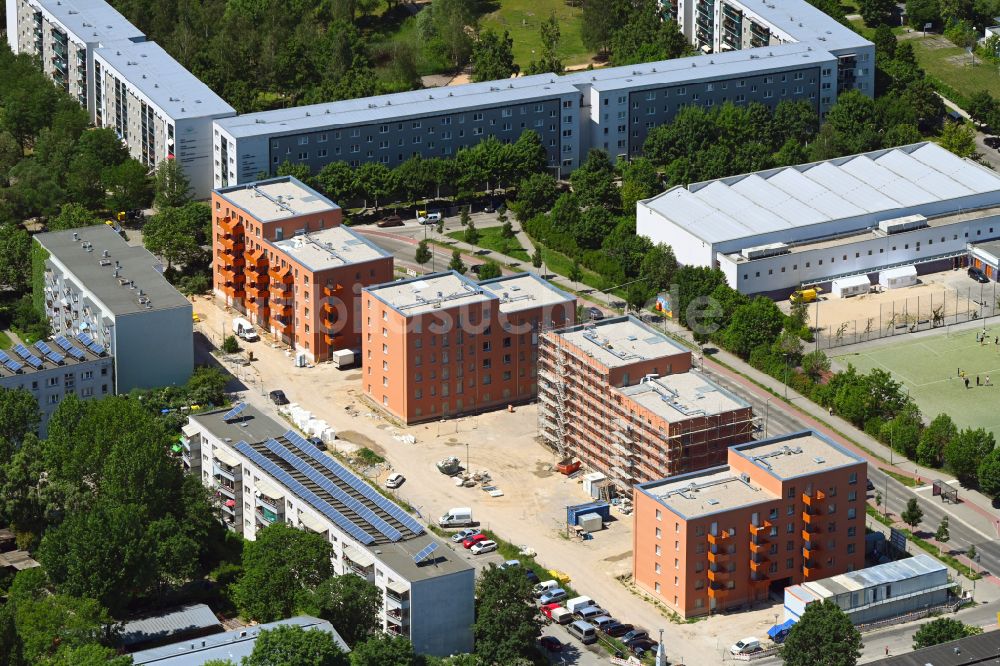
[
  {"x": 853, "y": 124},
  {"x": 600, "y": 20},
  {"x": 451, "y": 18},
  {"x": 658, "y": 267},
  {"x": 549, "y": 62},
  {"x": 934, "y": 439},
  {"x": 414, "y": 177},
  {"x": 823, "y": 636},
  {"x": 757, "y": 323},
  {"x": 338, "y": 181},
  {"x": 506, "y": 228},
  {"x": 876, "y": 12},
  {"x": 471, "y": 233},
  {"x": 50, "y": 621},
  {"x": 921, "y": 12},
  {"x": 384, "y": 650},
  {"x": 15, "y": 257},
  {"x": 280, "y": 568},
  {"x": 128, "y": 186},
  {"x": 493, "y": 56},
  {"x": 89, "y": 654},
  {"x": 423, "y": 253},
  {"x": 535, "y": 194},
  {"x": 507, "y": 622},
  {"x": 230, "y": 344},
  {"x": 912, "y": 514},
  {"x": 464, "y": 218},
  {"x": 942, "y": 534},
  {"x": 575, "y": 273},
  {"x": 646, "y": 36},
  {"x": 815, "y": 364},
  {"x": 981, "y": 106},
  {"x": 965, "y": 451},
  {"x": 639, "y": 181},
  {"x": 594, "y": 181},
  {"x": 536, "y": 258},
  {"x": 172, "y": 187},
  {"x": 942, "y": 630},
  {"x": 489, "y": 270},
  {"x": 350, "y": 603},
  {"x": 988, "y": 473},
  {"x": 296, "y": 170},
  {"x": 376, "y": 180},
  {"x": 72, "y": 216},
  {"x": 959, "y": 138},
  {"x": 18, "y": 417},
  {"x": 289, "y": 644},
  {"x": 456, "y": 263},
  {"x": 176, "y": 233}
]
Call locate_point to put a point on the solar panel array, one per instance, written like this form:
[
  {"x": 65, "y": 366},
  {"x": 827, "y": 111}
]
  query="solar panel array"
[
  {"x": 427, "y": 550},
  {"x": 318, "y": 503},
  {"x": 10, "y": 363},
  {"x": 49, "y": 352},
  {"x": 26, "y": 354},
  {"x": 353, "y": 481},
  {"x": 234, "y": 412},
  {"x": 68, "y": 347},
  {"x": 338, "y": 494},
  {"x": 89, "y": 343}
]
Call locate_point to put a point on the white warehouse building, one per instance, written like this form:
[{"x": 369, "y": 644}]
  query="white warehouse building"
[{"x": 811, "y": 224}]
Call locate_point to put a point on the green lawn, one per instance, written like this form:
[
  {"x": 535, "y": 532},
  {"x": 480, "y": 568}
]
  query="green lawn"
[
  {"x": 952, "y": 65},
  {"x": 928, "y": 367},
  {"x": 5, "y": 341},
  {"x": 490, "y": 239},
  {"x": 522, "y": 19}
]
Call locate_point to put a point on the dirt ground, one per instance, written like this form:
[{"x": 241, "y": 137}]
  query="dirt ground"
[{"x": 532, "y": 509}]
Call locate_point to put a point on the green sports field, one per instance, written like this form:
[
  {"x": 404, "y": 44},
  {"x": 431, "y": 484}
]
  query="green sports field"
[{"x": 929, "y": 366}]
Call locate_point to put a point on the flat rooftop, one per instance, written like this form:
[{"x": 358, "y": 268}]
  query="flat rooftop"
[
  {"x": 871, "y": 186},
  {"x": 163, "y": 81},
  {"x": 796, "y": 454},
  {"x": 436, "y": 291},
  {"x": 706, "y": 492},
  {"x": 135, "y": 264},
  {"x": 524, "y": 291},
  {"x": 91, "y": 20},
  {"x": 330, "y": 248},
  {"x": 251, "y": 425},
  {"x": 48, "y": 355},
  {"x": 683, "y": 396},
  {"x": 277, "y": 199},
  {"x": 980, "y": 649},
  {"x": 803, "y": 23},
  {"x": 367, "y": 110},
  {"x": 620, "y": 341}
]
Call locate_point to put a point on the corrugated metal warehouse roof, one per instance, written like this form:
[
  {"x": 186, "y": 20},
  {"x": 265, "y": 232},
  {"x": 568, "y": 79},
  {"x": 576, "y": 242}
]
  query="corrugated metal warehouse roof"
[
  {"x": 194, "y": 618},
  {"x": 881, "y": 574}
]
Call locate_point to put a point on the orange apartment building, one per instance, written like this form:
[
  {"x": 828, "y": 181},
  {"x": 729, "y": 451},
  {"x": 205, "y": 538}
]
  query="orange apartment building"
[
  {"x": 783, "y": 511},
  {"x": 282, "y": 258},
  {"x": 443, "y": 345},
  {"x": 624, "y": 399}
]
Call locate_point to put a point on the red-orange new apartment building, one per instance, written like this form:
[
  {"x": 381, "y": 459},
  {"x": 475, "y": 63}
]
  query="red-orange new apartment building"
[
  {"x": 281, "y": 257},
  {"x": 623, "y": 398},
  {"x": 784, "y": 510},
  {"x": 442, "y": 345}
]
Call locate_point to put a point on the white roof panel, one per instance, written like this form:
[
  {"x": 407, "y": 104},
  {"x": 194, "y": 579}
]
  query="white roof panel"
[
  {"x": 814, "y": 194},
  {"x": 849, "y": 187},
  {"x": 766, "y": 194},
  {"x": 936, "y": 184},
  {"x": 974, "y": 176},
  {"x": 751, "y": 217},
  {"x": 887, "y": 181}
]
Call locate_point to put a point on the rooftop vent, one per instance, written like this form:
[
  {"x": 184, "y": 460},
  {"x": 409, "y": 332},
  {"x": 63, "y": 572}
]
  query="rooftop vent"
[{"x": 818, "y": 460}]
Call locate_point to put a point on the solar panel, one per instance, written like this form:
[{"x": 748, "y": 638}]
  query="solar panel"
[
  {"x": 353, "y": 481},
  {"x": 55, "y": 357},
  {"x": 26, "y": 354},
  {"x": 68, "y": 347},
  {"x": 323, "y": 507},
  {"x": 427, "y": 550},
  {"x": 10, "y": 363},
  {"x": 338, "y": 494},
  {"x": 234, "y": 412},
  {"x": 89, "y": 343},
  {"x": 63, "y": 342},
  {"x": 43, "y": 347}
]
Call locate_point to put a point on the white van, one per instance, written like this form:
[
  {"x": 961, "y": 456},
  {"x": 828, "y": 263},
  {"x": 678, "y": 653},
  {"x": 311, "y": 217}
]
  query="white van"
[
  {"x": 745, "y": 646},
  {"x": 244, "y": 329},
  {"x": 584, "y": 631},
  {"x": 576, "y": 603},
  {"x": 456, "y": 517},
  {"x": 545, "y": 586},
  {"x": 561, "y": 616}
]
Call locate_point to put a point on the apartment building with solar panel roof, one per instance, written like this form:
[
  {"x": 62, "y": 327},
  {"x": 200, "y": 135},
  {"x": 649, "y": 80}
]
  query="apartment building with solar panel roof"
[{"x": 262, "y": 472}]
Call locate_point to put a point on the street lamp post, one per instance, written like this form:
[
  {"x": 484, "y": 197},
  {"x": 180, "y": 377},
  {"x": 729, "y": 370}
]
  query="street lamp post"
[{"x": 767, "y": 414}]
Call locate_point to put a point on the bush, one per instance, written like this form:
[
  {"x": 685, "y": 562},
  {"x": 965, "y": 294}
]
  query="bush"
[{"x": 230, "y": 345}]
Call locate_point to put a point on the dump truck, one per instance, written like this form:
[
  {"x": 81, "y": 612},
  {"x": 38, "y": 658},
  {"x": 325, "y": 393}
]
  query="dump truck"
[{"x": 805, "y": 295}]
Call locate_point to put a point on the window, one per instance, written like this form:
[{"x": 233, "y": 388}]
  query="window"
[
  {"x": 659, "y": 534},
  {"x": 854, "y": 475},
  {"x": 852, "y": 513}
]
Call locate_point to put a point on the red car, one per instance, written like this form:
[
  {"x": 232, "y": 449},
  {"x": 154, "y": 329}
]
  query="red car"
[
  {"x": 474, "y": 539},
  {"x": 548, "y": 608}
]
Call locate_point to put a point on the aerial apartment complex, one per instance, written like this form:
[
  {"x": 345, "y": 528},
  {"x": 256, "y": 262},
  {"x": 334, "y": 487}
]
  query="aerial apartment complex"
[
  {"x": 263, "y": 473},
  {"x": 756, "y": 50},
  {"x": 158, "y": 108},
  {"x": 771, "y": 231},
  {"x": 625, "y": 400},
  {"x": 442, "y": 345},
  {"x": 281, "y": 256},
  {"x": 106, "y": 293},
  {"x": 55, "y": 369},
  {"x": 783, "y": 511}
]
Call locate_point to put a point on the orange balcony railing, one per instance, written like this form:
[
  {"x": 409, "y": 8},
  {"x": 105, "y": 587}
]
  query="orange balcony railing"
[
  {"x": 232, "y": 243},
  {"x": 716, "y": 539},
  {"x": 814, "y": 499},
  {"x": 759, "y": 566},
  {"x": 283, "y": 275},
  {"x": 760, "y": 532},
  {"x": 718, "y": 576},
  {"x": 230, "y": 225},
  {"x": 332, "y": 290},
  {"x": 757, "y": 548}
]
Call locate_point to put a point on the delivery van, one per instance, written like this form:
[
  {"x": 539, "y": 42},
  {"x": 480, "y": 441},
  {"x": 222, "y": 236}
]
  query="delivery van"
[{"x": 456, "y": 517}]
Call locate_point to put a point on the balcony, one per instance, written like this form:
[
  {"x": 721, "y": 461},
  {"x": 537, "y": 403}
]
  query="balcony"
[
  {"x": 265, "y": 517},
  {"x": 281, "y": 275},
  {"x": 760, "y": 532},
  {"x": 814, "y": 499},
  {"x": 233, "y": 243},
  {"x": 717, "y": 539},
  {"x": 716, "y": 590},
  {"x": 717, "y": 557},
  {"x": 759, "y": 566},
  {"x": 757, "y": 548},
  {"x": 812, "y": 520},
  {"x": 231, "y": 226},
  {"x": 400, "y": 616},
  {"x": 331, "y": 340},
  {"x": 332, "y": 290},
  {"x": 717, "y": 576},
  {"x": 811, "y": 571},
  {"x": 225, "y": 489}
]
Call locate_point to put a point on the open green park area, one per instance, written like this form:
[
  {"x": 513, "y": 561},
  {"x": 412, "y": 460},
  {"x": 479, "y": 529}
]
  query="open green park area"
[
  {"x": 929, "y": 369},
  {"x": 953, "y": 66},
  {"x": 522, "y": 18}
]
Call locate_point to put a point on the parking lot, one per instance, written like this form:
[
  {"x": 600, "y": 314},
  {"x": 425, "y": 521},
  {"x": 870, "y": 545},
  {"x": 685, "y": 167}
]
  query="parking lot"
[{"x": 531, "y": 511}]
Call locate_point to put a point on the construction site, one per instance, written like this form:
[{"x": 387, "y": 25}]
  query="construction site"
[{"x": 624, "y": 400}]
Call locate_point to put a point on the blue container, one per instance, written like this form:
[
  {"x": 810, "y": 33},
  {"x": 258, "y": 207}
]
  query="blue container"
[{"x": 603, "y": 509}]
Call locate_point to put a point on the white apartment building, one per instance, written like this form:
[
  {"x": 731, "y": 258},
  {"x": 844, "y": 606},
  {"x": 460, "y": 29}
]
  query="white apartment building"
[
  {"x": 262, "y": 473},
  {"x": 116, "y": 296}
]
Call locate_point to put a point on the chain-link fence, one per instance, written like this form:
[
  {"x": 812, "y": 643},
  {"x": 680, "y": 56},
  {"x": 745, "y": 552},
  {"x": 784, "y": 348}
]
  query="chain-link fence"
[{"x": 906, "y": 315}]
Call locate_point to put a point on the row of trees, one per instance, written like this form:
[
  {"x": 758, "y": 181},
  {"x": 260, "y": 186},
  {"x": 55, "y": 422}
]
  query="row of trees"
[{"x": 631, "y": 31}]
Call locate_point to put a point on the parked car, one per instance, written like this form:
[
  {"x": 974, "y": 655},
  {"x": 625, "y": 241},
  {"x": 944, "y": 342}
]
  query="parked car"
[
  {"x": 641, "y": 646},
  {"x": 550, "y": 643},
  {"x": 318, "y": 443},
  {"x": 278, "y": 397},
  {"x": 602, "y": 622},
  {"x": 473, "y": 540},
  {"x": 531, "y": 576},
  {"x": 977, "y": 275},
  {"x": 634, "y": 634},
  {"x": 390, "y": 221},
  {"x": 992, "y": 142},
  {"x": 395, "y": 481},
  {"x": 510, "y": 564},
  {"x": 432, "y": 217},
  {"x": 595, "y": 314},
  {"x": 617, "y": 629},
  {"x": 870, "y": 486},
  {"x": 485, "y": 546},
  {"x": 745, "y": 646},
  {"x": 552, "y": 596},
  {"x": 459, "y": 537}
]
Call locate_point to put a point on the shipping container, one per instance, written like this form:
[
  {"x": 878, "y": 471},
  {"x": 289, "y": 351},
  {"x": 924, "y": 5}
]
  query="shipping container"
[{"x": 603, "y": 509}]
